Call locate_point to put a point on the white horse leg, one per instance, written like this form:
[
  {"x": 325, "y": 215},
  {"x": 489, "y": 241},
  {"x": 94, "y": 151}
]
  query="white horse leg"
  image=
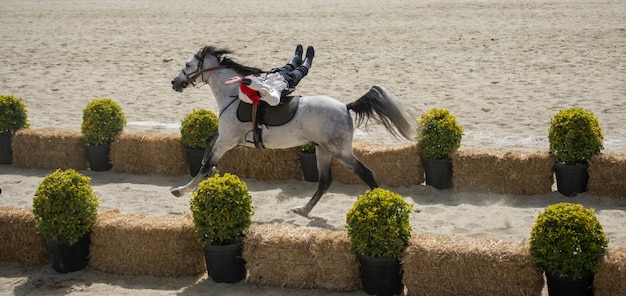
[
  {"x": 214, "y": 151},
  {"x": 324, "y": 159}
]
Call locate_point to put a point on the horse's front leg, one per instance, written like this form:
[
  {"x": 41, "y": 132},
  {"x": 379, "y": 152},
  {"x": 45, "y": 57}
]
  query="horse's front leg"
[{"x": 208, "y": 168}]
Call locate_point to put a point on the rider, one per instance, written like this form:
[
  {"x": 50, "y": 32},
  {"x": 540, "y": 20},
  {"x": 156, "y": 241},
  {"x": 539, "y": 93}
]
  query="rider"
[{"x": 277, "y": 83}]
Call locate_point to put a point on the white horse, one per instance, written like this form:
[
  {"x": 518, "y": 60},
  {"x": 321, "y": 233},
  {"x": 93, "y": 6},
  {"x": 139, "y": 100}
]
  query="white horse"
[{"x": 320, "y": 120}]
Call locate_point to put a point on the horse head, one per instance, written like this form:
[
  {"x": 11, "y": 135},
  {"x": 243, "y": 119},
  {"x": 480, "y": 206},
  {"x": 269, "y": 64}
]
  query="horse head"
[{"x": 198, "y": 67}]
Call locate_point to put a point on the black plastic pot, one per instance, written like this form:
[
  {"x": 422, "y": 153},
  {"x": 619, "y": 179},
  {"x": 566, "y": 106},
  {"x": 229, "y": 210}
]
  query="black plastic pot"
[
  {"x": 194, "y": 157},
  {"x": 69, "y": 258},
  {"x": 309, "y": 166},
  {"x": 381, "y": 275},
  {"x": 571, "y": 179},
  {"x": 568, "y": 286},
  {"x": 438, "y": 172},
  {"x": 6, "y": 154},
  {"x": 98, "y": 157},
  {"x": 224, "y": 264}
]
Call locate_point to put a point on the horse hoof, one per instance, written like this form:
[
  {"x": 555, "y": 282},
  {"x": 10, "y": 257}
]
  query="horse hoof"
[
  {"x": 176, "y": 192},
  {"x": 300, "y": 211}
]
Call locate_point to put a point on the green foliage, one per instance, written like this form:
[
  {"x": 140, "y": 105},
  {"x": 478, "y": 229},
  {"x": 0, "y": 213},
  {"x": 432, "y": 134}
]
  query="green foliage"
[
  {"x": 439, "y": 134},
  {"x": 12, "y": 114},
  {"x": 575, "y": 136},
  {"x": 65, "y": 206},
  {"x": 196, "y": 127},
  {"x": 567, "y": 239},
  {"x": 307, "y": 148},
  {"x": 222, "y": 210},
  {"x": 378, "y": 224},
  {"x": 103, "y": 119}
]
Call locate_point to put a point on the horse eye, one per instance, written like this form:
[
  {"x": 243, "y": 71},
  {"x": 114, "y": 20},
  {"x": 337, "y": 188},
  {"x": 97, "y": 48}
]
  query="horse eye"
[{"x": 187, "y": 65}]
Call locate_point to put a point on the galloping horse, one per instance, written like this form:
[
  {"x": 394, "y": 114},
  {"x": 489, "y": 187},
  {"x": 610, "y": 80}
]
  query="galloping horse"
[{"x": 320, "y": 120}]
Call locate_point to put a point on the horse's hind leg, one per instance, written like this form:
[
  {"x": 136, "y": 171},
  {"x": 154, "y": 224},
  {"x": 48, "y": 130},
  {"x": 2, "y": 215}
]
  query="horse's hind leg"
[
  {"x": 356, "y": 166},
  {"x": 208, "y": 168},
  {"x": 324, "y": 159}
]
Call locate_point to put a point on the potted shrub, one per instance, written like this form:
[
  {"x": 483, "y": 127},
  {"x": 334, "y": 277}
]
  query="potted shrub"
[
  {"x": 12, "y": 118},
  {"x": 194, "y": 133},
  {"x": 439, "y": 135},
  {"x": 65, "y": 206},
  {"x": 567, "y": 241},
  {"x": 103, "y": 119},
  {"x": 575, "y": 136},
  {"x": 222, "y": 212},
  {"x": 308, "y": 161},
  {"x": 379, "y": 231}
]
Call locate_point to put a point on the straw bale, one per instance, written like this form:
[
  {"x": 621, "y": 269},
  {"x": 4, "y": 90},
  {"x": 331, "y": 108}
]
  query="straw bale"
[
  {"x": 392, "y": 165},
  {"x": 607, "y": 175},
  {"x": 449, "y": 265},
  {"x": 48, "y": 149},
  {"x": 145, "y": 153},
  {"x": 509, "y": 172},
  {"x": 20, "y": 241},
  {"x": 300, "y": 257},
  {"x": 262, "y": 164},
  {"x": 610, "y": 279},
  {"x": 138, "y": 245}
]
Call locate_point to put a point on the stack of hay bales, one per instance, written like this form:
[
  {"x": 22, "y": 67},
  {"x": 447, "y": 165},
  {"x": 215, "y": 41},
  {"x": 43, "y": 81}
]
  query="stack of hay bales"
[
  {"x": 607, "y": 175},
  {"x": 610, "y": 279},
  {"x": 392, "y": 165},
  {"x": 143, "y": 153},
  {"x": 48, "y": 149},
  {"x": 138, "y": 245},
  {"x": 448, "y": 265},
  {"x": 20, "y": 241},
  {"x": 262, "y": 164},
  {"x": 299, "y": 257},
  {"x": 519, "y": 173}
]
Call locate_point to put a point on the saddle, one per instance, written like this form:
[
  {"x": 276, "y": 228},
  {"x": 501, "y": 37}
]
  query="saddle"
[{"x": 270, "y": 115}]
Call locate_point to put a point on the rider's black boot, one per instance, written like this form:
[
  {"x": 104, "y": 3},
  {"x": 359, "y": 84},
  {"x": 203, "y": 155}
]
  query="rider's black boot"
[{"x": 295, "y": 61}]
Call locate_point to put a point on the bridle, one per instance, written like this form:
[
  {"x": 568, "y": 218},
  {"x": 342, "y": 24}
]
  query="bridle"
[{"x": 191, "y": 77}]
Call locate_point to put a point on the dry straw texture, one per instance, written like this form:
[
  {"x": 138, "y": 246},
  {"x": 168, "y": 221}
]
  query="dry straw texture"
[
  {"x": 144, "y": 153},
  {"x": 20, "y": 241},
  {"x": 610, "y": 279},
  {"x": 508, "y": 172},
  {"x": 448, "y": 265},
  {"x": 262, "y": 164},
  {"x": 138, "y": 245},
  {"x": 299, "y": 257},
  {"x": 607, "y": 175},
  {"x": 48, "y": 149},
  {"x": 392, "y": 165}
]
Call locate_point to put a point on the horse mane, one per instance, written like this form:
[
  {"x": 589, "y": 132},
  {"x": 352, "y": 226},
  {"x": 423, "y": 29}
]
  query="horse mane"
[{"x": 228, "y": 62}]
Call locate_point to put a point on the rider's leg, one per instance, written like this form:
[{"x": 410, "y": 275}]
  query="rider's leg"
[
  {"x": 295, "y": 61},
  {"x": 256, "y": 130},
  {"x": 294, "y": 77}
]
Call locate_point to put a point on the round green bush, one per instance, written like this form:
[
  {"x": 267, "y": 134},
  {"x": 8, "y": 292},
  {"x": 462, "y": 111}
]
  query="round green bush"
[
  {"x": 196, "y": 127},
  {"x": 12, "y": 114},
  {"x": 567, "y": 239},
  {"x": 439, "y": 134},
  {"x": 378, "y": 224},
  {"x": 65, "y": 206},
  {"x": 222, "y": 210},
  {"x": 307, "y": 148},
  {"x": 575, "y": 136},
  {"x": 103, "y": 119}
]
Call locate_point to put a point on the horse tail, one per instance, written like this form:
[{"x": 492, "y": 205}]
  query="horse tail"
[{"x": 380, "y": 105}]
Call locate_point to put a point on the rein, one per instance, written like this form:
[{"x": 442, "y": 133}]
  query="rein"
[{"x": 198, "y": 73}]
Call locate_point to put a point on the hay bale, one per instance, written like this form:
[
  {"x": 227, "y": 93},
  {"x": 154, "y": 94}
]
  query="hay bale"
[
  {"x": 299, "y": 257},
  {"x": 139, "y": 245},
  {"x": 610, "y": 279},
  {"x": 20, "y": 241},
  {"x": 509, "y": 172},
  {"x": 607, "y": 175},
  {"x": 262, "y": 164},
  {"x": 48, "y": 149},
  {"x": 448, "y": 265},
  {"x": 392, "y": 165},
  {"x": 144, "y": 153}
]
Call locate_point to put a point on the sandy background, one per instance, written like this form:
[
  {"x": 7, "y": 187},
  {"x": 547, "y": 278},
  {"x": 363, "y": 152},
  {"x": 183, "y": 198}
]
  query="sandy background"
[{"x": 504, "y": 68}]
